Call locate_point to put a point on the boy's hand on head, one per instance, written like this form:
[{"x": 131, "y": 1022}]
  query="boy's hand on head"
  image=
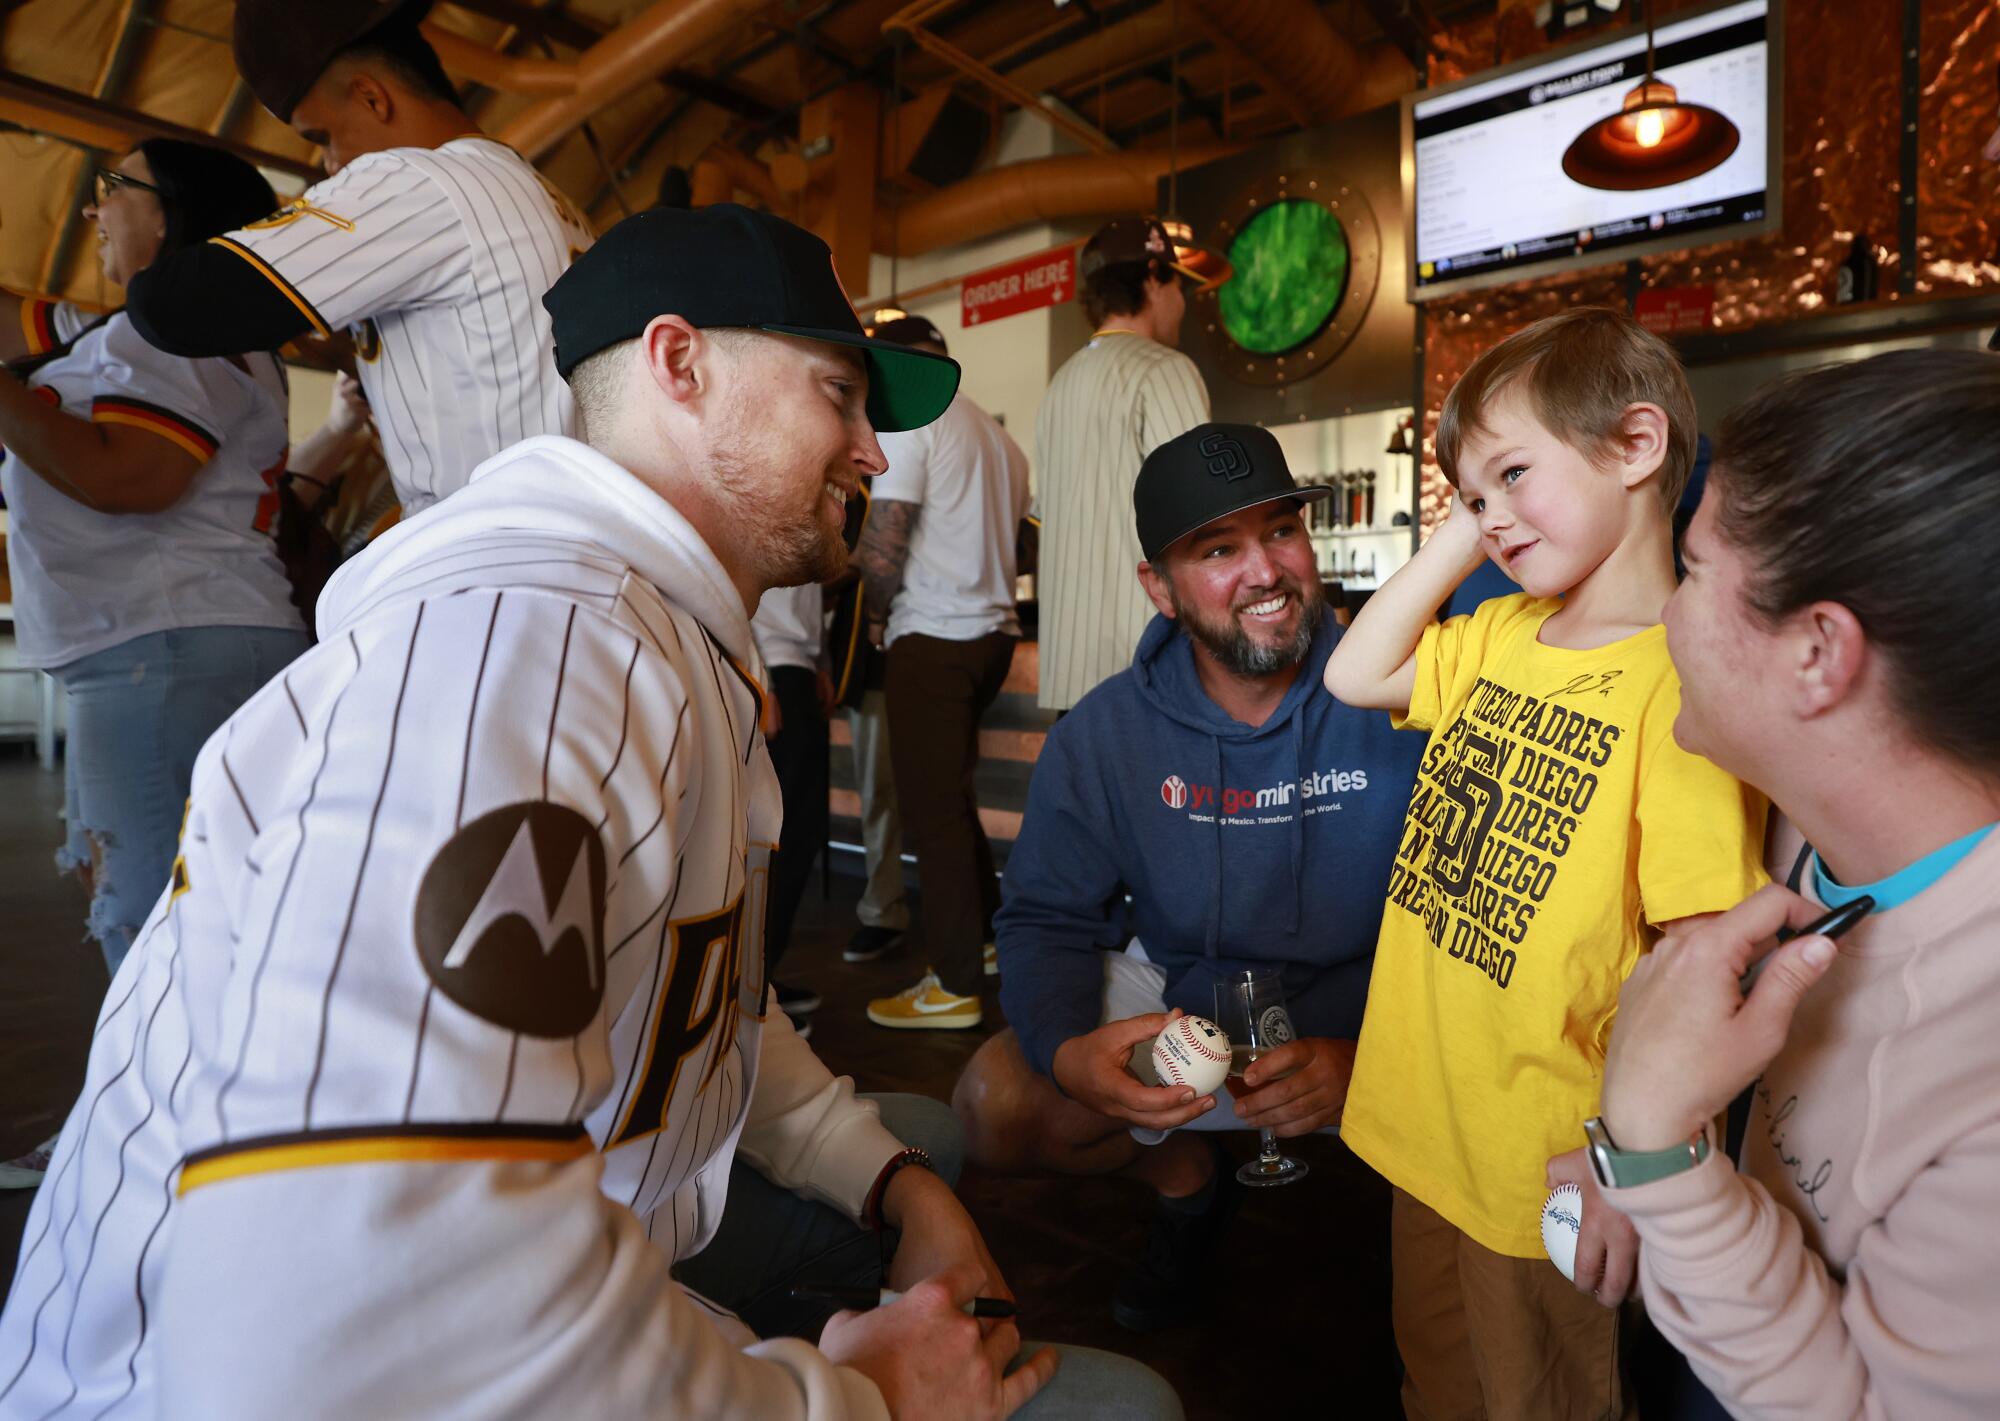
[
  {"x": 1607, "y": 1246},
  {"x": 1459, "y": 536}
]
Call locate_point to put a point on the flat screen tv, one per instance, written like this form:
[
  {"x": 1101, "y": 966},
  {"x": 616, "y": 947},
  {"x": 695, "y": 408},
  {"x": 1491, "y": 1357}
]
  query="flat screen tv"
[{"x": 1488, "y": 199}]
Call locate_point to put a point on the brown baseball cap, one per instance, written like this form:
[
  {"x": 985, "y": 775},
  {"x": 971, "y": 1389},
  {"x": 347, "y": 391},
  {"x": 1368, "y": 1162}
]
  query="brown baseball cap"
[
  {"x": 283, "y": 46},
  {"x": 1125, "y": 240}
]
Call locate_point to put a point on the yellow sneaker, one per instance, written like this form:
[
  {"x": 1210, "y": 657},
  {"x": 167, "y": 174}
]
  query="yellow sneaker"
[
  {"x": 928, "y": 1006},
  {"x": 991, "y": 954}
]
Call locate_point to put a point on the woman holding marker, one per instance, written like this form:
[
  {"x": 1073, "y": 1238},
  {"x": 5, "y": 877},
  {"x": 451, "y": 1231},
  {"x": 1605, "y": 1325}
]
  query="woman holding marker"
[
  {"x": 139, "y": 487},
  {"x": 1838, "y": 641}
]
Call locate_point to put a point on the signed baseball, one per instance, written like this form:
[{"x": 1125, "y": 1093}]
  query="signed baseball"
[
  {"x": 1192, "y": 1051},
  {"x": 1562, "y": 1217}
]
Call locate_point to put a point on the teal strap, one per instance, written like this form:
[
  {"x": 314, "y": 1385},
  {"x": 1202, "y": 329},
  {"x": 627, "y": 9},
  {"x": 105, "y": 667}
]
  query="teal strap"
[{"x": 1904, "y": 884}]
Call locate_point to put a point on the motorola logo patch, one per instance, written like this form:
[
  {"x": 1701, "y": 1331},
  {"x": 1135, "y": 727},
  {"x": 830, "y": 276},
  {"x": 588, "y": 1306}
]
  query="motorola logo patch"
[{"x": 510, "y": 919}]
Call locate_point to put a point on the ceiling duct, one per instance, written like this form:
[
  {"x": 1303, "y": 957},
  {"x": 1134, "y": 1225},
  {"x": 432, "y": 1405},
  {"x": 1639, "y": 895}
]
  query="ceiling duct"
[
  {"x": 1040, "y": 190},
  {"x": 1303, "y": 60}
]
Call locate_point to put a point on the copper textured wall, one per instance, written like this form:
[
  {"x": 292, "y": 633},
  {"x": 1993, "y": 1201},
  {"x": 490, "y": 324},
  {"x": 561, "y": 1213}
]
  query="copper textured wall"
[
  {"x": 1842, "y": 144},
  {"x": 1958, "y": 227}
]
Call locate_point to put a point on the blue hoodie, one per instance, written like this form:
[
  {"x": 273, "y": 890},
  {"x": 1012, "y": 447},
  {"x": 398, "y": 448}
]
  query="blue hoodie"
[{"x": 1149, "y": 788}]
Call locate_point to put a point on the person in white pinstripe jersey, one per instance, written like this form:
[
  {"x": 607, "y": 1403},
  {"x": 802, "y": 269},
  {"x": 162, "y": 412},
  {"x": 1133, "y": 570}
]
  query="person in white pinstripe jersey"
[
  {"x": 441, "y": 1073},
  {"x": 430, "y": 243},
  {"x": 1109, "y": 406}
]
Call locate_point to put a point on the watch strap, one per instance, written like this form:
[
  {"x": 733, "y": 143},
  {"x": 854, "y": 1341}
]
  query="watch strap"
[{"x": 1627, "y": 1169}]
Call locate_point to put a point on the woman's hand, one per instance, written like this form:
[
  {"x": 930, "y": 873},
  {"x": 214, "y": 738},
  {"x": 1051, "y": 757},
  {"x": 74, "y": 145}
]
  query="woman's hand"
[{"x": 1687, "y": 1040}]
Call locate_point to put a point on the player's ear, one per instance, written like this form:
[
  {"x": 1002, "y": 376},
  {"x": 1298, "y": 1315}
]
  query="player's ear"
[
  {"x": 1154, "y": 580},
  {"x": 673, "y": 353},
  {"x": 372, "y": 94}
]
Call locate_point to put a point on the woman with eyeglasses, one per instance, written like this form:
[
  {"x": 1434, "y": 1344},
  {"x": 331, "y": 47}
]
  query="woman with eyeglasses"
[{"x": 139, "y": 495}]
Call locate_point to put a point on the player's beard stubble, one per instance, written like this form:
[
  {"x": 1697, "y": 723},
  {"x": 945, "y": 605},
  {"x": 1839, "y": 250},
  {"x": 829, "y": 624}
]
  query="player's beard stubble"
[{"x": 795, "y": 545}]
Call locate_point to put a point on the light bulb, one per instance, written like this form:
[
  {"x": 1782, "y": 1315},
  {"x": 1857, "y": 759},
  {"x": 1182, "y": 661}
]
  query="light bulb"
[{"x": 1651, "y": 128}]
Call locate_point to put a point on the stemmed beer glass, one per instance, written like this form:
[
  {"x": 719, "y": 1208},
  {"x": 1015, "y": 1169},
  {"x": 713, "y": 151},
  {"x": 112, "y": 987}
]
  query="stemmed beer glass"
[{"x": 1250, "y": 1008}]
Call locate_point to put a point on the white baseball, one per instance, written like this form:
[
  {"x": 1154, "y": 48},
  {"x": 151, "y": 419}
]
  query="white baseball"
[
  {"x": 1562, "y": 1217},
  {"x": 1192, "y": 1051}
]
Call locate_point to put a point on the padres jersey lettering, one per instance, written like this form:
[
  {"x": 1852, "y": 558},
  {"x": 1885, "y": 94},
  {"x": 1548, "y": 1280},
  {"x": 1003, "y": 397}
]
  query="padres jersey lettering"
[
  {"x": 457, "y": 997},
  {"x": 1108, "y": 407},
  {"x": 436, "y": 259}
]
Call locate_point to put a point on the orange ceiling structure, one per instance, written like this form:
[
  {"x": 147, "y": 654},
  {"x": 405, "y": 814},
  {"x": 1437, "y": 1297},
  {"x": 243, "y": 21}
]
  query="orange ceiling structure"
[{"x": 665, "y": 82}]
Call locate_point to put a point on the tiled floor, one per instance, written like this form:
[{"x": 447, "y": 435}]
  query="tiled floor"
[{"x": 1300, "y": 1323}]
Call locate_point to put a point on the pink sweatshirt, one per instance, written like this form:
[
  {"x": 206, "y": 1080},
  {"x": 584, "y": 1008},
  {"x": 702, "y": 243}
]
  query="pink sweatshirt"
[{"x": 1852, "y": 1268}]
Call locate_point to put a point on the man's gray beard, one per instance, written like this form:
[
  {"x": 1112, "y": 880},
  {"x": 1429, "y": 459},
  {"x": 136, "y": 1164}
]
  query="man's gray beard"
[{"x": 1229, "y": 644}]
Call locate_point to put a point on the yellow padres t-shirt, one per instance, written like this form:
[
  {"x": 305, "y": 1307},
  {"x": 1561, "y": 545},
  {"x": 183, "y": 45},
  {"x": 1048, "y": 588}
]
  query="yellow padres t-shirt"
[{"x": 1554, "y": 826}]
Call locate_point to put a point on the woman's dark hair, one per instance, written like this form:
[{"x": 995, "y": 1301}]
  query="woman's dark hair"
[
  {"x": 206, "y": 191},
  {"x": 1120, "y": 289},
  {"x": 1874, "y": 485}
]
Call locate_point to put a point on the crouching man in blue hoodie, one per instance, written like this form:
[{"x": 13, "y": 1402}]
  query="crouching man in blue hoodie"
[{"x": 1251, "y": 822}]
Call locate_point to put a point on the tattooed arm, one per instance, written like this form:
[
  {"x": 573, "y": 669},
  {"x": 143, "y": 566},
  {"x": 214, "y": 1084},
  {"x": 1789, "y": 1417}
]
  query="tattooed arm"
[{"x": 882, "y": 555}]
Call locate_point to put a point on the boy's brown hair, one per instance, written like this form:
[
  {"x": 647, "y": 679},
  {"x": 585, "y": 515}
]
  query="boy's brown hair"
[{"x": 1581, "y": 370}]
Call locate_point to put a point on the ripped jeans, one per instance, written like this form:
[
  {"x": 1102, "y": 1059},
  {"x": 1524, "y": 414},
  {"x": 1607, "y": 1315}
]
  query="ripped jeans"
[{"x": 139, "y": 713}]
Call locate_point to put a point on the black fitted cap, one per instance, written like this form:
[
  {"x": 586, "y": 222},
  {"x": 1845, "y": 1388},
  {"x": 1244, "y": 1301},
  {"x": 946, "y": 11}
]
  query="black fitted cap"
[
  {"x": 283, "y": 46},
  {"x": 1210, "y": 472},
  {"x": 727, "y": 265},
  {"x": 1127, "y": 241},
  {"x": 909, "y": 330}
]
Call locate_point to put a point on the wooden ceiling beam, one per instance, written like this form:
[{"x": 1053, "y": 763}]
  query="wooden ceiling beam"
[
  {"x": 553, "y": 21},
  {"x": 64, "y": 113}
]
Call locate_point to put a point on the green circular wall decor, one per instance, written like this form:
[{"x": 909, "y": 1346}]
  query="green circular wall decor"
[
  {"x": 1308, "y": 255},
  {"x": 1292, "y": 264}
]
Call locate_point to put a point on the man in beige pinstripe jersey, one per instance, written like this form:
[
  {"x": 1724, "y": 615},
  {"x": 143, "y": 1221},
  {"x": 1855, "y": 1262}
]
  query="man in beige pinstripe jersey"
[{"x": 1112, "y": 403}]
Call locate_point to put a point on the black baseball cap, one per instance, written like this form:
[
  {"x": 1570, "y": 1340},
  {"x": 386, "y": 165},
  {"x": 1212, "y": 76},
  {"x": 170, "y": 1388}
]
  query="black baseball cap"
[
  {"x": 283, "y": 46},
  {"x": 1130, "y": 240},
  {"x": 909, "y": 330},
  {"x": 727, "y": 265},
  {"x": 1210, "y": 472}
]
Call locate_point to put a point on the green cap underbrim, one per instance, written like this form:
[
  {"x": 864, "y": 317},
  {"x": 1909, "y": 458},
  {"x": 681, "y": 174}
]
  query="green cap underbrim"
[{"x": 907, "y": 389}]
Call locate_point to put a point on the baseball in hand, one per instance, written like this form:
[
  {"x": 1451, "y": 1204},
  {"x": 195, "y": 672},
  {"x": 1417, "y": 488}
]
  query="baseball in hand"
[
  {"x": 1562, "y": 1218},
  {"x": 1193, "y": 1052}
]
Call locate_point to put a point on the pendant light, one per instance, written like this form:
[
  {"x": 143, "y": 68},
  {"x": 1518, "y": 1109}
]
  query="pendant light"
[
  {"x": 1208, "y": 266},
  {"x": 1654, "y": 140}
]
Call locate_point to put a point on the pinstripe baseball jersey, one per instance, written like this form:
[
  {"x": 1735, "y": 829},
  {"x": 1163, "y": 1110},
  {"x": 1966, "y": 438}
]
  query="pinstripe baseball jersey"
[
  {"x": 1108, "y": 407},
  {"x": 435, "y": 1053},
  {"x": 85, "y": 580},
  {"x": 436, "y": 258}
]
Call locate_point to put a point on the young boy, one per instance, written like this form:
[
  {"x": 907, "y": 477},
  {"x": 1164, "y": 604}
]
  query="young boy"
[{"x": 1556, "y": 829}]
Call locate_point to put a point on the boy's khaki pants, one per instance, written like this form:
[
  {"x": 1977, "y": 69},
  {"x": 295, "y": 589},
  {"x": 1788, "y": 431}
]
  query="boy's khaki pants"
[{"x": 1485, "y": 1337}]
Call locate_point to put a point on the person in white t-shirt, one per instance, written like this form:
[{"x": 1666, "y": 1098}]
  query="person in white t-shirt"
[
  {"x": 937, "y": 560},
  {"x": 139, "y": 490},
  {"x": 789, "y": 636}
]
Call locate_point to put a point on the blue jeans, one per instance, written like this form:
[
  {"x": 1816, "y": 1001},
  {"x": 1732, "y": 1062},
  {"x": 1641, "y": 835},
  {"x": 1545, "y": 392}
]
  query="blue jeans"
[
  {"x": 139, "y": 713},
  {"x": 770, "y": 1239}
]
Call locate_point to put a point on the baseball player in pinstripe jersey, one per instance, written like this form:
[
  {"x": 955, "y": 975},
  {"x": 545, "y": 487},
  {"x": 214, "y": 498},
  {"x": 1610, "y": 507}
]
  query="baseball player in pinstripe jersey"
[
  {"x": 439, "y": 1052},
  {"x": 430, "y": 244},
  {"x": 1109, "y": 406}
]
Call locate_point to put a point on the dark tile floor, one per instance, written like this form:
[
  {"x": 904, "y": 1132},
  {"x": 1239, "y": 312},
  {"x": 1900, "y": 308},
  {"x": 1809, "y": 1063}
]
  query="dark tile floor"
[{"x": 1300, "y": 1325}]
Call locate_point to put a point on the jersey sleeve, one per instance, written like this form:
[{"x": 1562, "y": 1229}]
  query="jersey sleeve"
[
  {"x": 403, "y": 1188},
  {"x": 1701, "y": 830},
  {"x": 907, "y": 479},
  {"x": 46, "y": 324},
  {"x": 379, "y": 236},
  {"x": 192, "y": 404},
  {"x": 1172, "y": 400}
]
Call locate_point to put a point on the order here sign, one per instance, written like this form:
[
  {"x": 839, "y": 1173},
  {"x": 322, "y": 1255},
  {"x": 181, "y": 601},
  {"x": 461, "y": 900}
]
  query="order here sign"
[{"x": 1045, "y": 279}]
